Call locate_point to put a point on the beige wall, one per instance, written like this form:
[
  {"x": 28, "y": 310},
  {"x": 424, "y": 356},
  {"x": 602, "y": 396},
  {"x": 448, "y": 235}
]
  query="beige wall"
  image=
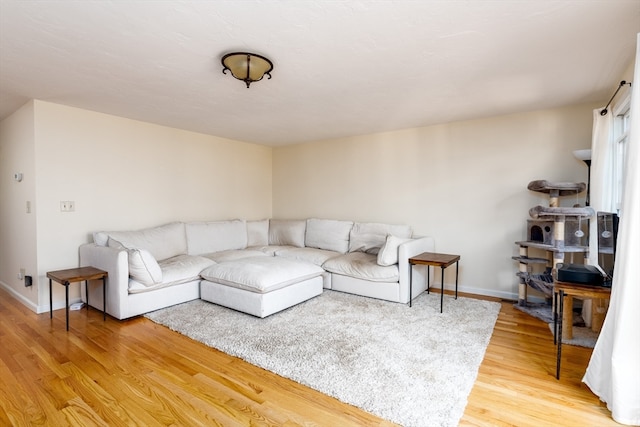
[
  {"x": 17, "y": 227},
  {"x": 463, "y": 183},
  {"x": 122, "y": 174}
]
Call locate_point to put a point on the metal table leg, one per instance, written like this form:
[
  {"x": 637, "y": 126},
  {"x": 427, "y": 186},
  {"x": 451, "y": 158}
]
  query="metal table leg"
[
  {"x": 410, "y": 283},
  {"x": 555, "y": 318},
  {"x": 104, "y": 298},
  {"x": 66, "y": 299},
  {"x": 86, "y": 291},
  {"x": 50, "y": 301},
  {"x": 559, "y": 356},
  {"x": 441, "y": 287},
  {"x": 456, "y": 279}
]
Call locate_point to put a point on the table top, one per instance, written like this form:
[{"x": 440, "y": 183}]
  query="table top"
[
  {"x": 571, "y": 288},
  {"x": 76, "y": 274},
  {"x": 433, "y": 258}
]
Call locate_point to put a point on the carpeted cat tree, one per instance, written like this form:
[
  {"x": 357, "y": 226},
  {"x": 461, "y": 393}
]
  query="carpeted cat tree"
[{"x": 555, "y": 231}]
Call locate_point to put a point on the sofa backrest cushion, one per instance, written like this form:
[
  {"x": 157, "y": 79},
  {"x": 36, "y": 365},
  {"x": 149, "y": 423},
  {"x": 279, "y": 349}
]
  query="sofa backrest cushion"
[
  {"x": 328, "y": 234},
  {"x": 258, "y": 233},
  {"x": 369, "y": 237},
  {"x": 287, "y": 232},
  {"x": 216, "y": 236},
  {"x": 162, "y": 242}
]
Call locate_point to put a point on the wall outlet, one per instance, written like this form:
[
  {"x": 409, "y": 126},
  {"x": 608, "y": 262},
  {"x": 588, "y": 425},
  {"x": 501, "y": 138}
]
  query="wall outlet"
[
  {"x": 67, "y": 206},
  {"x": 21, "y": 274},
  {"x": 28, "y": 280}
]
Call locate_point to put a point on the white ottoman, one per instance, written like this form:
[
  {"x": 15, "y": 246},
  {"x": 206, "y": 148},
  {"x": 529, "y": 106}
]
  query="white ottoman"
[{"x": 260, "y": 285}]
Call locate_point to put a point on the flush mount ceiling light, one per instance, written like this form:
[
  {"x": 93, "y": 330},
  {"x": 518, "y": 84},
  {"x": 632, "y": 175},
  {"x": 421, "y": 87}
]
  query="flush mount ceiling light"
[{"x": 247, "y": 67}]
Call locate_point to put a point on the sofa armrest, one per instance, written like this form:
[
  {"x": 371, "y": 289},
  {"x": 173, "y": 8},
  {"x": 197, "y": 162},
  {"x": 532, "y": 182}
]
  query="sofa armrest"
[
  {"x": 405, "y": 251},
  {"x": 116, "y": 263}
]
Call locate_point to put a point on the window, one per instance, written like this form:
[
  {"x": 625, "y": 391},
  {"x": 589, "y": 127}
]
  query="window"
[{"x": 621, "y": 124}]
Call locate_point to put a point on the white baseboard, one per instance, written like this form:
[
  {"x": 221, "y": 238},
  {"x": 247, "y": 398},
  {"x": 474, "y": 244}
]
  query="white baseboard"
[
  {"x": 20, "y": 298},
  {"x": 510, "y": 296},
  {"x": 496, "y": 294},
  {"x": 38, "y": 309}
]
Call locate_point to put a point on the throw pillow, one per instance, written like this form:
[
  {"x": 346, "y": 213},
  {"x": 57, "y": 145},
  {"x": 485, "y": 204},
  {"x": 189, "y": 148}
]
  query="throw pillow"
[
  {"x": 388, "y": 254},
  {"x": 143, "y": 267}
]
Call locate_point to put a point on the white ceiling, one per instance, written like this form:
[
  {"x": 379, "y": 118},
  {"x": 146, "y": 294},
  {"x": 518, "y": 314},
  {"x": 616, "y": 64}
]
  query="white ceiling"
[{"x": 341, "y": 68}]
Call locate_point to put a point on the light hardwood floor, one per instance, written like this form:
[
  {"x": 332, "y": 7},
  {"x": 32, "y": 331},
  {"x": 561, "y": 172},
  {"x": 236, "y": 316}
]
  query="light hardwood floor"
[{"x": 135, "y": 372}]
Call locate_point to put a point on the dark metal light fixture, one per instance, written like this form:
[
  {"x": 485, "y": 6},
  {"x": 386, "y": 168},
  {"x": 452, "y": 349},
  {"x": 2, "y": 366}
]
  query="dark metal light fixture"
[{"x": 247, "y": 67}]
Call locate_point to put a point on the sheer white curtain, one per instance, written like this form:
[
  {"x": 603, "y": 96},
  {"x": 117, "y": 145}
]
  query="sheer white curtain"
[
  {"x": 614, "y": 369},
  {"x": 600, "y": 185}
]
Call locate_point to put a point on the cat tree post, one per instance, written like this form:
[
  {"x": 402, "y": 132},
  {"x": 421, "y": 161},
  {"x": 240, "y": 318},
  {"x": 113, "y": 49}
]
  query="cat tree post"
[
  {"x": 558, "y": 236},
  {"x": 523, "y": 269},
  {"x": 554, "y": 196}
]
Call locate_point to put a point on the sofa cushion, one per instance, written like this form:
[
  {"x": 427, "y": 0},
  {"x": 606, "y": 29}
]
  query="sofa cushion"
[
  {"x": 215, "y": 236},
  {"x": 370, "y": 236},
  {"x": 362, "y": 266},
  {"x": 234, "y": 254},
  {"x": 287, "y": 232},
  {"x": 183, "y": 268},
  {"x": 388, "y": 254},
  {"x": 143, "y": 267},
  {"x": 258, "y": 233},
  {"x": 162, "y": 242},
  {"x": 261, "y": 274},
  {"x": 312, "y": 255},
  {"x": 270, "y": 250},
  {"x": 176, "y": 271},
  {"x": 328, "y": 234}
]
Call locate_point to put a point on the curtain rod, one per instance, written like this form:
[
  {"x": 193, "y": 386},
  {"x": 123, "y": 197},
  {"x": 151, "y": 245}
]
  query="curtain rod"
[{"x": 605, "y": 111}]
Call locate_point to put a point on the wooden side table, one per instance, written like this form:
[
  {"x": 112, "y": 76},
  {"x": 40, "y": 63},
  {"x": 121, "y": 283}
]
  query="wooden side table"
[
  {"x": 439, "y": 260},
  {"x": 71, "y": 275},
  {"x": 563, "y": 318}
]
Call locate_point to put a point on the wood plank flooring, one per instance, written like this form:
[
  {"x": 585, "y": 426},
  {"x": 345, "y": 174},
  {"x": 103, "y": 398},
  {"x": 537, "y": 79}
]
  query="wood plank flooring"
[{"x": 134, "y": 372}]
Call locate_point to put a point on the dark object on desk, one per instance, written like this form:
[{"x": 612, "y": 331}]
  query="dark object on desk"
[{"x": 579, "y": 273}]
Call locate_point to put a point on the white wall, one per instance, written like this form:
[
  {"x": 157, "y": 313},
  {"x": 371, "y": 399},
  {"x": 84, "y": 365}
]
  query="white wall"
[
  {"x": 463, "y": 183},
  {"x": 126, "y": 174},
  {"x": 17, "y": 227}
]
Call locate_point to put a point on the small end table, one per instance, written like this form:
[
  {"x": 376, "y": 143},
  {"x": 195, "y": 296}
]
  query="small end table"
[
  {"x": 71, "y": 275},
  {"x": 439, "y": 260}
]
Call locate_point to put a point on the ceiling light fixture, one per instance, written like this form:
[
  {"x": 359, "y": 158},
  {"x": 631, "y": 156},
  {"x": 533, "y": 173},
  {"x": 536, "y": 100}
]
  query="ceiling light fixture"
[{"x": 247, "y": 67}]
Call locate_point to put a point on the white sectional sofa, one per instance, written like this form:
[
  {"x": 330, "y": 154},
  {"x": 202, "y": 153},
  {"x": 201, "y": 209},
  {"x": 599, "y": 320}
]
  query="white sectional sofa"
[{"x": 258, "y": 267}]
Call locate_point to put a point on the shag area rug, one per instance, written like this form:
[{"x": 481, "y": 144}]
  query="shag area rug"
[
  {"x": 410, "y": 365},
  {"x": 582, "y": 336}
]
